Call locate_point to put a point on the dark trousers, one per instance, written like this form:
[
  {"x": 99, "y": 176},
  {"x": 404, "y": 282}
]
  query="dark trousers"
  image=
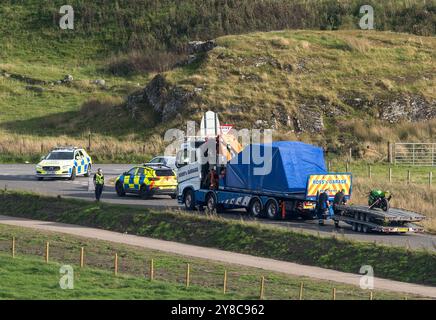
[{"x": 98, "y": 191}]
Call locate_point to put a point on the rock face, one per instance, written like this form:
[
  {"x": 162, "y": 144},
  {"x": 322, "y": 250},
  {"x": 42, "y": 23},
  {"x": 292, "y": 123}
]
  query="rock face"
[
  {"x": 166, "y": 99},
  {"x": 309, "y": 119},
  {"x": 408, "y": 108},
  {"x": 195, "y": 47}
]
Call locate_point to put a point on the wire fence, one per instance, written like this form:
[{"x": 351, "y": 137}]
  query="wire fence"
[{"x": 159, "y": 268}]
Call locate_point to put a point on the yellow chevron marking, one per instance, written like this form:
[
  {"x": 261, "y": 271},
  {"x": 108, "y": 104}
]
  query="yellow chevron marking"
[{"x": 330, "y": 183}]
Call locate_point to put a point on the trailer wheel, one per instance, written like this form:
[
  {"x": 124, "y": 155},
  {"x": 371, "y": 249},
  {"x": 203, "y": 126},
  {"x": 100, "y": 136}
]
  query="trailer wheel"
[
  {"x": 272, "y": 209},
  {"x": 189, "y": 200},
  {"x": 359, "y": 227},
  {"x": 365, "y": 229},
  {"x": 255, "y": 208},
  {"x": 211, "y": 203},
  {"x": 354, "y": 226}
]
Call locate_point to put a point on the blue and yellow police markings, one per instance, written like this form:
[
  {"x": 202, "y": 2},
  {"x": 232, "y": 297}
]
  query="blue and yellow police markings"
[
  {"x": 330, "y": 183},
  {"x": 133, "y": 182},
  {"x": 82, "y": 167}
]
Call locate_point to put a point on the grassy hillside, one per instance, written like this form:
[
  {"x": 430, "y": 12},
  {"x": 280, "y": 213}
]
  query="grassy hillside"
[
  {"x": 206, "y": 277},
  {"x": 126, "y": 42},
  {"x": 337, "y": 89}
]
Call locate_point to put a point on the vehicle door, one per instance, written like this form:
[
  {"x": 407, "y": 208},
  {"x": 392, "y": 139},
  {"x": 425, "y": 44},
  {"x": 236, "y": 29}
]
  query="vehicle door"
[
  {"x": 139, "y": 178},
  {"x": 78, "y": 159},
  {"x": 129, "y": 180},
  {"x": 83, "y": 162}
]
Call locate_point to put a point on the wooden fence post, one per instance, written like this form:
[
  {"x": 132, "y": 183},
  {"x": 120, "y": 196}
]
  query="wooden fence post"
[
  {"x": 390, "y": 155},
  {"x": 13, "y": 247},
  {"x": 329, "y": 166},
  {"x": 82, "y": 254},
  {"x": 347, "y": 167},
  {"x": 371, "y": 295},
  {"x": 430, "y": 179},
  {"x": 334, "y": 294},
  {"x": 47, "y": 251},
  {"x": 151, "y": 270},
  {"x": 301, "y": 291},
  {"x": 369, "y": 171},
  {"x": 262, "y": 287},
  {"x": 409, "y": 177},
  {"x": 89, "y": 140},
  {"x": 116, "y": 264},
  {"x": 390, "y": 174},
  {"x": 225, "y": 282},
  {"x": 188, "y": 275}
]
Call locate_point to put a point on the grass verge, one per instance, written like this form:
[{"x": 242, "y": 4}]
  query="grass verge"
[
  {"x": 244, "y": 237},
  {"x": 242, "y": 283}
]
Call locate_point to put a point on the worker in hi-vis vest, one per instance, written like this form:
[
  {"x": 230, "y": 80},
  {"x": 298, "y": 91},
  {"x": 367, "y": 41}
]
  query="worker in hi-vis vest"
[{"x": 99, "y": 184}]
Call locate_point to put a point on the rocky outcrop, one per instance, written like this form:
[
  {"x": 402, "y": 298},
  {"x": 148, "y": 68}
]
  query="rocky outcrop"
[
  {"x": 195, "y": 47},
  {"x": 407, "y": 108},
  {"x": 165, "y": 98},
  {"x": 310, "y": 118}
]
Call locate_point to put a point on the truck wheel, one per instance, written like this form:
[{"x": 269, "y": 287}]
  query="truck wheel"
[
  {"x": 272, "y": 209},
  {"x": 255, "y": 208},
  {"x": 120, "y": 190},
  {"x": 73, "y": 175},
  {"x": 189, "y": 200},
  {"x": 211, "y": 202}
]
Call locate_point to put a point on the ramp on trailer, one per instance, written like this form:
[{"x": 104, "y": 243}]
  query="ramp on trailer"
[{"x": 364, "y": 219}]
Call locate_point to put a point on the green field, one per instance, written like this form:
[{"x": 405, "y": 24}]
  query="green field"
[
  {"x": 239, "y": 236},
  {"x": 28, "y": 277}
]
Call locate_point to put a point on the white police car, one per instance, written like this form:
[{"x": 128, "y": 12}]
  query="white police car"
[{"x": 65, "y": 162}]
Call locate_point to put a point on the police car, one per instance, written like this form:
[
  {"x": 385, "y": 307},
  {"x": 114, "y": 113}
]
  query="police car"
[
  {"x": 65, "y": 162},
  {"x": 147, "y": 180}
]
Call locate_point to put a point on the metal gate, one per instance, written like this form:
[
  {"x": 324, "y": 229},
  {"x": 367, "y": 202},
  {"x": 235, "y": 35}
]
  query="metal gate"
[{"x": 415, "y": 154}]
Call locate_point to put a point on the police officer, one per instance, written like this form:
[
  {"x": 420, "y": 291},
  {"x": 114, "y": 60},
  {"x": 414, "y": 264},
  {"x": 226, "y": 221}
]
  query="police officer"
[
  {"x": 340, "y": 198},
  {"x": 99, "y": 184},
  {"x": 322, "y": 207}
]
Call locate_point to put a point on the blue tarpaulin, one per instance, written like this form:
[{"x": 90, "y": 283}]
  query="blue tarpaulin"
[{"x": 286, "y": 167}]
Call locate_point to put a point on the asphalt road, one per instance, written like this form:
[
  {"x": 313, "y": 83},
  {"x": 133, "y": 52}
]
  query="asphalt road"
[{"x": 21, "y": 177}]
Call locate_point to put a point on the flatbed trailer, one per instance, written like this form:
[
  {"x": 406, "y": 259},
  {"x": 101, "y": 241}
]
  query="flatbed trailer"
[
  {"x": 257, "y": 204},
  {"x": 364, "y": 219}
]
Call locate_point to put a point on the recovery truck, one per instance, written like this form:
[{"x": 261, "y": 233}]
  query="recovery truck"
[{"x": 286, "y": 184}]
